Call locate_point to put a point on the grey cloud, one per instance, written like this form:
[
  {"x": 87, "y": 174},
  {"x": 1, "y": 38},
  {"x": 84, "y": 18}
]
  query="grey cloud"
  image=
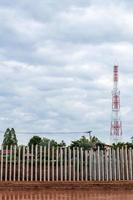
[{"x": 56, "y": 65}]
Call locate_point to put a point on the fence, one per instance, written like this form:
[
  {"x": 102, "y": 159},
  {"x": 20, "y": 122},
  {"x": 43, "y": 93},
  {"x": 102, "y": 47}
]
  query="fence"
[{"x": 41, "y": 163}]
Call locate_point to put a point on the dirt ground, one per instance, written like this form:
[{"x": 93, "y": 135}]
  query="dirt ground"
[
  {"x": 93, "y": 185},
  {"x": 79, "y": 194}
]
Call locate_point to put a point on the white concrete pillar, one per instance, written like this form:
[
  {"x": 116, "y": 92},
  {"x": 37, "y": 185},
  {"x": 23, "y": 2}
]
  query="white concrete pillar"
[
  {"x": 69, "y": 163},
  {"x": 27, "y": 164},
  {"x": 65, "y": 167},
  {"x": 110, "y": 164},
  {"x": 94, "y": 166},
  {"x": 130, "y": 163},
  {"x": 40, "y": 163},
  {"x": 77, "y": 163},
  {"x": 19, "y": 150},
  {"x": 23, "y": 171},
  {"x": 122, "y": 164},
  {"x": 32, "y": 156},
  {"x": 14, "y": 170},
  {"x": 99, "y": 163},
  {"x": 53, "y": 160},
  {"x": 57, "y": 159},
  {"x": 44, "y": 164},
  {"x": 86, "y": 165},
  {"x": 106, "y": 165},
  {"x": 36, "y": 162},
  {"x": 48, "y": 164},
  {"x": 102, "y": 165},
  {"x": 114, "y": 163},
  {"x": 118, "y": 163},
  {"x": 126, "y": 164},
  {"x": 6, "y": 163},
  {"x": 73, "y": 178},
  {"x": 10, "y": 168},
  {"x": 90, "y": 164},
  {"x": 61, "y": 165},
  {"x": 81, "y": 164},
  {"x": 1, "y": 167}
]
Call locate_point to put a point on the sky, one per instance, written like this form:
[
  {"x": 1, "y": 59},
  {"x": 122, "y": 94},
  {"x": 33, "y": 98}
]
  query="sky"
[{"x": 56, "y": 66}]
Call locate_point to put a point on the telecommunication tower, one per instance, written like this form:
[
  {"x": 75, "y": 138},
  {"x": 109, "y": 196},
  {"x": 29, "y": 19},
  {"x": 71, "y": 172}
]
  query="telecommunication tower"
[{"x": 116, "y": 124}]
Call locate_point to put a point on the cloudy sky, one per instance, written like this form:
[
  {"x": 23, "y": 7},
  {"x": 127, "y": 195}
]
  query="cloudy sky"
[{"x": 56, "y": 62}]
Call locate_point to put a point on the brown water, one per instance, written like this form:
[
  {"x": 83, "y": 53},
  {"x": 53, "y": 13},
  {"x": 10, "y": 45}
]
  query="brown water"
[{"x": 67, "y": 195}]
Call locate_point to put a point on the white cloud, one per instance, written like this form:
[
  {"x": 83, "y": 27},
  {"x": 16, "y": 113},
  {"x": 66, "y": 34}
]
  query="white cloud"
[{"x": 56, "y": 65}]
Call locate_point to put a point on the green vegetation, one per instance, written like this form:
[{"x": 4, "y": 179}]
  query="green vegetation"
[
  {"x": 84, "y": 142},
  {"x": 10, "y": 137},
  {"x": 122, "y": 144},
  {"x": 88, "y": 143}
]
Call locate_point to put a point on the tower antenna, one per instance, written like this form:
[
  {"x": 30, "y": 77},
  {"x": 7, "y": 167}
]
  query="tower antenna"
[{"x": 116, "y": 124}]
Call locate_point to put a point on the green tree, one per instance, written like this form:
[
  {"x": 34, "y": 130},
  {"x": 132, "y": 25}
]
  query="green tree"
[
  {"x": 82, "y": 142},
  {"x": 86, "y": 143},
  {"x": 10, "y": 137},
  {"x": 62, "y": 144},
  {"x": 35, "y": 140},
  {"x": 122, "y": 144},
  {"x": 45, "y": 142}
]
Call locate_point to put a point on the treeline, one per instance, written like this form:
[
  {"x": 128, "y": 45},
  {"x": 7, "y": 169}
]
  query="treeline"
[{"x": 89, "y": 142}]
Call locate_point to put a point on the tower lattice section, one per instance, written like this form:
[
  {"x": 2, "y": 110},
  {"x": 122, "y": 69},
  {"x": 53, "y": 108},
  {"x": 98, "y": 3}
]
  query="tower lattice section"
[{"x": 116, "y": 123}]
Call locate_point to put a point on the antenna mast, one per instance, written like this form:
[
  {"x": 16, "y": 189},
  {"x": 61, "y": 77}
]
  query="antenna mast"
[{"x": 116, "y": 124}]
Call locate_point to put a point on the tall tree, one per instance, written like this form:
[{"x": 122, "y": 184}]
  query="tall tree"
[
  {"x": 35, "y": 140},
  {"x": 45, "y": 141},
  {"x": 86, "y": 143},
  {"x": 62, "y": 144},
  {"x": 10, "y": 137}
]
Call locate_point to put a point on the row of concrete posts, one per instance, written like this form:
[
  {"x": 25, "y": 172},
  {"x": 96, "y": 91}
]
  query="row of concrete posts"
[{"x": 46, "y": 163}]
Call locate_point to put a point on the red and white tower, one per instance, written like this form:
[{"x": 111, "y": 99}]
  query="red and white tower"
[{"x": 116, "y": 124}]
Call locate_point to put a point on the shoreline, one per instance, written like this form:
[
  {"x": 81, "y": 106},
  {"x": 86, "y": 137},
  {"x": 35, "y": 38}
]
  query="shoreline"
[{"x": 66, "y": 185}]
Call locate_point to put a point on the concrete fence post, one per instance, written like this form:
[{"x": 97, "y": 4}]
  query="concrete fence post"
[
  {"x": 94, "y": 166},
  {"x": 77, "y": 163},
  {"x": 6, "y": 163},
  {"x": 99, "y": 163},
  {"x": 36, "y": 162},
  {"x": 81, "y": 164},
  {"x": 69, "y": 163},
  {"x": 61, "y": 165},
  {"x": 14, "y": 173},
  {"x": 19, "y": 150},
  {"x": 110, "y": 164},
  {"x": 106, "y": 165},
  {"x": 86, "y": 165},
  {"x": 122, "y": 164},
  {"x": 48, "y": 162},
  {"x": 102, "y": 165},
  {"x": 1, "y": 167},
  {"x": 73, "y": 164},
  {"x": 57, "y": 160},
  {"x": 23, "y": 172},
  {"x": 27, "y": 163},
  {"x": 90, "y": 164},
  {"x": 118, "y": 164},
  {"x": 114, "y": 164},
  {"x": 53, "y": 160},
  {"x": 65, "y": 167},
  {"x": 44, "y": 164},
  {"x": 130, "y": 162},
  {"x": 10, "y": 164},
  {"x": 126, "y": 164},
  {"x": 40, "y": 174},
  {"x": 32, "y": 157},
  {"x": 10, "y": 169}
]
